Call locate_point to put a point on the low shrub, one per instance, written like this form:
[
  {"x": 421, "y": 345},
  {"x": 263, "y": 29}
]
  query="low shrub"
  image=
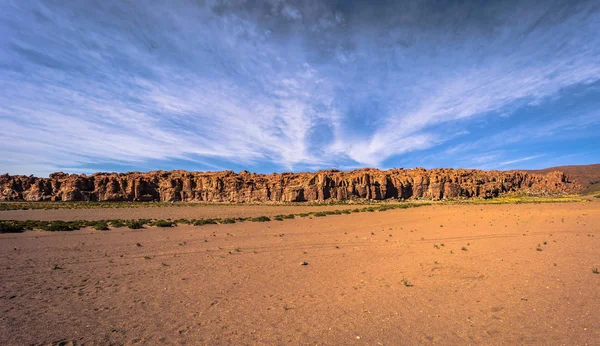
[
  {"x": 59, "y": 226},
  {"x": 10, "y": 227},
  {"x": 117, "y": 223},
  {"x": 29, "y": 224},
  {"x": 100, "y": 226},
  {"x": 163, "y": 223},
  {"x": 260, "y": 219},
  {"x": 388, "y": 207},
  {"x": 135, "y": 224},
  {"x": 202, "y": 222}
]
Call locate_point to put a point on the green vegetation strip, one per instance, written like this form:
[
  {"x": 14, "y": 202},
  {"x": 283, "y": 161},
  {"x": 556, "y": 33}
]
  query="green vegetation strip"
[
  {"x": 521, "y": 199},
  {"x": 45, "y": 205},
  {"x": 12, "y": 226},
  {"x": 512, "y": 198}
]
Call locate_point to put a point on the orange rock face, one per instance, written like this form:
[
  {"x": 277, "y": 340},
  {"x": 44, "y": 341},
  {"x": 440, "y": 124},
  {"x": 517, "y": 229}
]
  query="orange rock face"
[{"x": 228, "y": 186}]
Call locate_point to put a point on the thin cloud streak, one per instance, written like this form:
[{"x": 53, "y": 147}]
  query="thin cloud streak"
[{"x": 506, "y": 163}]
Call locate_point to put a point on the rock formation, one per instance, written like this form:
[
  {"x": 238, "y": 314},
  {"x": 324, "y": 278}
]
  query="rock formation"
[{"x": 332, "y": 185}]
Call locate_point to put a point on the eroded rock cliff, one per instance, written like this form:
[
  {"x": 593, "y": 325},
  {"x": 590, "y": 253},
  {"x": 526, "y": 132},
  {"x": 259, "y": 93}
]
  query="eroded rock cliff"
[{"x": 228, "y": 186}]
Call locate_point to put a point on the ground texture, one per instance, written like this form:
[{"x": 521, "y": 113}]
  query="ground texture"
[
  {"x": 174, "y": 212},
  {"x": 443, "y": 274}
]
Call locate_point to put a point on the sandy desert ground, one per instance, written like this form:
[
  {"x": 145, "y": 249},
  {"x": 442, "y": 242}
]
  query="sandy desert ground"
[
  {"x": 443, "y": 274},
  {"x": 174, "y": 212}
]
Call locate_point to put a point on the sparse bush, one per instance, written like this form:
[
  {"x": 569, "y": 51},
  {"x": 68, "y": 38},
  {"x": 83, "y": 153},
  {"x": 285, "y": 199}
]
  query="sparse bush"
[
  {"x": 596, "y": 270},
  {"x": 228, "y": 220},
  {"x": 202, "y": 222},
  {"x": 320, "y": 214},
  {"x": 260, "y": 219},
  {"x": 387, "y": 207},
  {"x": 57, "y": 226},
  {"x": 163, "y": 223},
  {"x": 135, "y": 224},
  {"x": 117, "y": 223},
  {"x": 29, "y": 224},
  {"x": 100, "y": 226},
  {"x": 10, "y": 227}
]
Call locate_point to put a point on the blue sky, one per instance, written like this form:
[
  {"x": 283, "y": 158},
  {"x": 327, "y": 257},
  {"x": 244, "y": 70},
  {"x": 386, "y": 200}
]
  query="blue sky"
[{"x": 272, "y": 86}]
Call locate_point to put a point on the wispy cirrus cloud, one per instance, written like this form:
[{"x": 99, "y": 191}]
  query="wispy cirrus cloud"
[
  {"x": 281, "y": 85},
  {"x": 506, "y": 163}
]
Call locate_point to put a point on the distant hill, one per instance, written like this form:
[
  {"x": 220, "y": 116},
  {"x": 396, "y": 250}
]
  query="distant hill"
[{"x": 588, "y": 176}]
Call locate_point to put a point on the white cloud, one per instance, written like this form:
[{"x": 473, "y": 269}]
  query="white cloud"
[
  {"x": 491, "y": 86},
  {"x": 506, "y": 163},
  {"x": 179, "y": 82}
]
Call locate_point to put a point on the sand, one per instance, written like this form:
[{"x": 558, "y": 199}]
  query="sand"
[
  {"x": 380, "y": 278},
  {"x": 174, "y": 212}
]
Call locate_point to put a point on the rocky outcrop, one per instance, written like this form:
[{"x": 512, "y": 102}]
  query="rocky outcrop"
[
  {"x": 332, "y": 185},
  {"x": 587, "y": 176}
]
